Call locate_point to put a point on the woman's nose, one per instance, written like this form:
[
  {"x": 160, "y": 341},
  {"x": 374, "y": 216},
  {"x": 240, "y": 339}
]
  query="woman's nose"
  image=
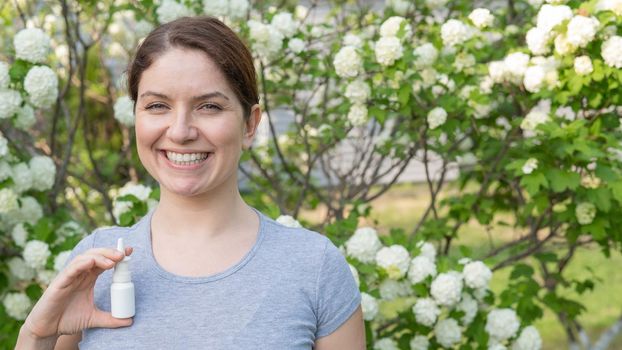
[{"x": 181, "y": 129}]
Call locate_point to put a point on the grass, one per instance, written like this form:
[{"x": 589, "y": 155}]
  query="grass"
[{"x": 403, "y": 206}]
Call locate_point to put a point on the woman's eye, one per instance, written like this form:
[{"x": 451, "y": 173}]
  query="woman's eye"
[
  {"x": 156, "y": 106},
  {"x": 210, "y": 106}
]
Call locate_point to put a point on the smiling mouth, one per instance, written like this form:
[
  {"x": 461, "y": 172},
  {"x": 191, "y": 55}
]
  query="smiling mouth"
[{"x": 186, "y": 158}]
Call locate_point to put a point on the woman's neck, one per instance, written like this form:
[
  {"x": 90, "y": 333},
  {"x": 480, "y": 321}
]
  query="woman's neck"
[{"x": 209, "y": 216}]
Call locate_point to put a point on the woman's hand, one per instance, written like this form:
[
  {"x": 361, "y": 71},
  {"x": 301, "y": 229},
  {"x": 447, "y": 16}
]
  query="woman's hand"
[{"x": 67, "y": 306}]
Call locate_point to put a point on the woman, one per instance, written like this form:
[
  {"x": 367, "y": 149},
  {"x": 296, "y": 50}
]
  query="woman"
[{"x": 210, "y": 272}]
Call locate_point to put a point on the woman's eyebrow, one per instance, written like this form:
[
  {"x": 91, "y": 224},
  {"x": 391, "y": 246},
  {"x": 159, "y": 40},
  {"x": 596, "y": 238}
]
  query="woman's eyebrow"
[
  {"x": 210, "y": 95},
  {"x": 194, "y": 98}
]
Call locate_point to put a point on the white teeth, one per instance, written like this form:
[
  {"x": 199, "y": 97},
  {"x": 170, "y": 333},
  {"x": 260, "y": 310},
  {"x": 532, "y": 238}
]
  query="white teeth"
[{"x": 186, "y": 158}]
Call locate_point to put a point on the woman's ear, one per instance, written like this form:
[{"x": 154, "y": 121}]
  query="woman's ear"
[{"x": 250, "y": 126}]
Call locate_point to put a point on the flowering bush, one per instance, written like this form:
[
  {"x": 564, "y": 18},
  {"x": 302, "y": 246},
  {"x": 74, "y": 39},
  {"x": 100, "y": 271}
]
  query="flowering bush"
[{"x": 520, "y": 112}]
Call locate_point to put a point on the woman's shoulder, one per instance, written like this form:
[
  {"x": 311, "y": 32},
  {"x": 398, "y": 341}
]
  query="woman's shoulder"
[
  {"x": 292, "y": 234},
  {"x": 107, "y": 236}
]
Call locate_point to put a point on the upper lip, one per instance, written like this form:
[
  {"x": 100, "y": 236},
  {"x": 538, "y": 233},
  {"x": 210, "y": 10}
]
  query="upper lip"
[{"x": 186, "y": 151}]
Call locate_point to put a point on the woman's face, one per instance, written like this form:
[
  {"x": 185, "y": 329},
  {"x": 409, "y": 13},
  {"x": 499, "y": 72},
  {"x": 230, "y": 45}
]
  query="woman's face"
[{"x": 190, "y": 128}]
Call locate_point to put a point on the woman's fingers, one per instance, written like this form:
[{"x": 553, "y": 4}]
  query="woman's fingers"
[
  {"x": 105, "y": 320},
  {"x": 82, "y": 264}
]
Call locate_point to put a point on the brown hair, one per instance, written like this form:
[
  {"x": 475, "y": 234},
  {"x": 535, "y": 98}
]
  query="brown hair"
[{"x": 206, "y": 34}]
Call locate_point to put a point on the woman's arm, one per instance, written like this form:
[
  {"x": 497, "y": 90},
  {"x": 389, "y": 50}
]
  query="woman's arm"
[{"x": 350, "y": 335}]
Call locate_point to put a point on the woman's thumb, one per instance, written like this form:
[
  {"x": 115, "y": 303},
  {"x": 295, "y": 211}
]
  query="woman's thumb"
[{"x": 105, "y": 320}]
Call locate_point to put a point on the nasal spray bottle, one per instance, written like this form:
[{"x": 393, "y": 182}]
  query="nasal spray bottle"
[{"x": 122, "y": 288}]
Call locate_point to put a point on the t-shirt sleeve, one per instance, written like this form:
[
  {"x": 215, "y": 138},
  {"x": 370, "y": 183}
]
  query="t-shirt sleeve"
[{"x": 337, "y": 293}]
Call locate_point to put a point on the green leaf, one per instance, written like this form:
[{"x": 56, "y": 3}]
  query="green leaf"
[
  {"x": 561, "y": 180},
  {"x": 521, "y": 270},
  {"x": 533, "y": 182}
]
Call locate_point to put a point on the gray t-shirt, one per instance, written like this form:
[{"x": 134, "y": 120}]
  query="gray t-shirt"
[{"x": 292, "y": 287}]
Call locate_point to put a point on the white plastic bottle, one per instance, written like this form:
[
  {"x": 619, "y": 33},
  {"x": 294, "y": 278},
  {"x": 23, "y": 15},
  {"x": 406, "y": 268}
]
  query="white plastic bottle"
[{"x": 122, "y": 288}]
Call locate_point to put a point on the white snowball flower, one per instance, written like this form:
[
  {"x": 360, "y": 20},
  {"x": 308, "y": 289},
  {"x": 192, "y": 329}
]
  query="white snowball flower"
[
  {"x": 516, "y": 65},
  {"x": 296, "y": 45},
  {"x": 497, "y": 71},
  {"x": 25, "y": 118},
  {"x": 357, "y": 115},
  {"x": 19, "y": 235},
  {"x": 32, "y": 45},
  {"x": 217, "y": 8},
  {"x": 36, "y": 254},
  {"x": 5, "y": 170},
  {"x": 124, "y": 111},
  {"x": 61, "y": 259},
  {"x": 448, "y": 332},
  {"x": 267, "y": 40},
  {"x": 43, "y": 172},
  {"x": 401, "y": 7},
  {"x": 434, "y": 4},
  {"x": 454, "y": 32},
  {"x": 4, "y": 146},
  {"x": 10, "y": 101},
  {"x": 347, "y": 62},
  {"x": 426, "y": 311},
  {"x": 352, "y": 40},
  {"x": 391, "y": 27},
  {"x": 385, "y": 344},
  {"x": 550, "y": 16},
  {"x": 363, "y": 245},
  {"x": 529, "y": 339},
  {"x": 17, "y": 305},
  {"x": 614, "y": 6},
  {"x": 285, "y": 23},
  {"x": 537, "y": 41},
  {"x": 358, "y": 91},
  {"x": 585, "y": 213},
  {"x": 446, "y": 288},
  {"x": 391, "y": 289},
  {"x": 238, "y": 9},
  {"x": 41, "y": 84},
  {"x": 388, "y": 50},
  {"x": 476, "y": 275},
  {"x": 534, "y": 78},
  {"x": 420, "y": 268},
  {"x": 493, "y": 345},
  {"x": 5, "y": 79},
  {"x": 469, "y": 306},
  {"x": 22, "y": 177},
  {"x": 582, "y": 30},
  {"x": 419, "y": 342},
  {"x": 369, "y": 305},
  {"x": 70, "y": 228},
  {"x": 530, "y": 165},
  {"x": 427, "y": 250},
  {"x": 563, "y": 46},
  {"x": 30, "y": 211},
  {"x": 566, "y": 112},
  {"x": 170, "y": 10},
  {"x": 46, "y": 276},
  {"x": 481, "y": 18},
  {"x": 355, "y": 273},
  {"x": 19, "y": 269},
  {"x": 139, "y": 191},
  {"x": 583, "y": 65},
  {"x": 395, "y": 260},
  {"x": 426, "y": 54},
  {"x": 612, "y": 51},
  {"x": 533, "y": 119},
  {"x": 437, "y": 117},
  {"x": 502, "y": 324},
  {"x": 8, "y": 201},
  {"x": 289, "y": 221},
  {"x": 143, "y": 28}
]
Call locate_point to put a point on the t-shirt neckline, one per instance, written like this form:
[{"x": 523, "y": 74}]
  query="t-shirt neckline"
[{"x": 145, "y": 229}]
